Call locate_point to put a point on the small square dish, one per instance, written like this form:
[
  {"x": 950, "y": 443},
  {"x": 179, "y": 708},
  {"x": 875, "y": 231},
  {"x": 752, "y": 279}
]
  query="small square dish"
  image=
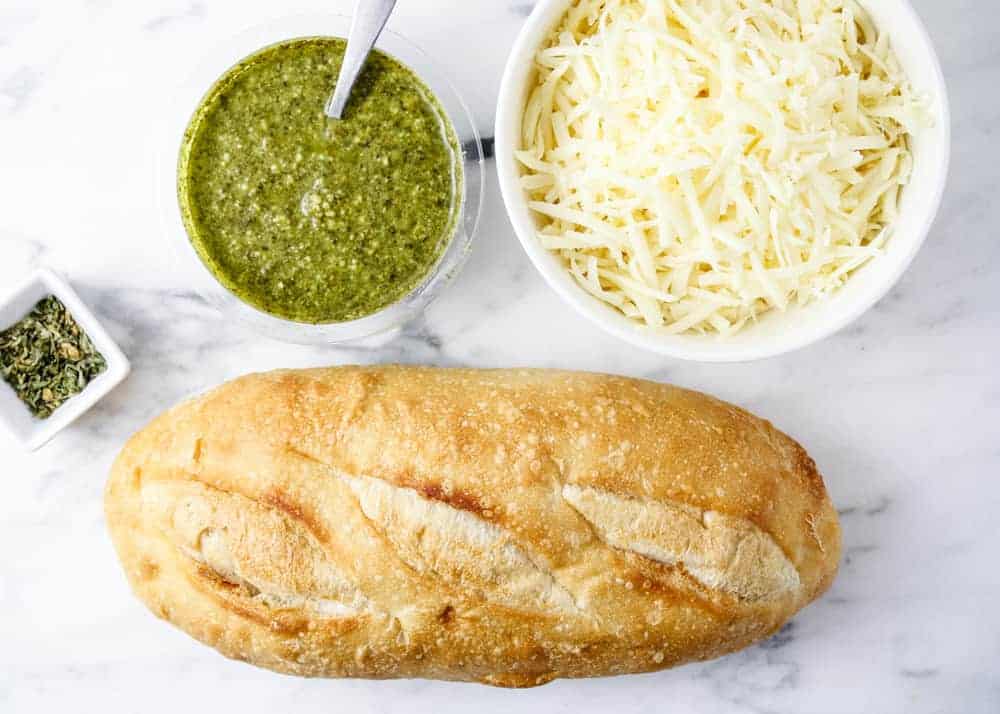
[{"x": 15, "y": 416}]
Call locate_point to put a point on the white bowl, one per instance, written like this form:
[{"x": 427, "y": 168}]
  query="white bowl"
[
  {"x": 776, "y": 332},
  {"x": 14, "y": 415}
]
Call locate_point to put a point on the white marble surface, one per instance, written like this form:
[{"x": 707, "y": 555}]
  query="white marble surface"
[{"x": 902, "y": 410}]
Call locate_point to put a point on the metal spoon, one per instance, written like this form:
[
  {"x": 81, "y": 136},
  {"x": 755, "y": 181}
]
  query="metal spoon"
[{"x": 367, "y": 22}]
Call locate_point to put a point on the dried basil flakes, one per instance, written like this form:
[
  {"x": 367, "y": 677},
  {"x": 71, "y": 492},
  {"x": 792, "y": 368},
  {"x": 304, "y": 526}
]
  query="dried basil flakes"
[{"x": 47, "y": 358}]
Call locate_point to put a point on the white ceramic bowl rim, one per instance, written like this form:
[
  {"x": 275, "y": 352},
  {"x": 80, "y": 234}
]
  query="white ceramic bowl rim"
[
  {"x": 775, "y": 333},
  {"x": 197, "y": 83}
]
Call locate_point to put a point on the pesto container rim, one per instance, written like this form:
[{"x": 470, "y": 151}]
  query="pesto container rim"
[{"x": 192, "y": 270}]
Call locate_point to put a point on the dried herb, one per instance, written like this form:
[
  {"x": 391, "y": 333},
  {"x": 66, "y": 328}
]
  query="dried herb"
[{"x": 47, "y": 358}]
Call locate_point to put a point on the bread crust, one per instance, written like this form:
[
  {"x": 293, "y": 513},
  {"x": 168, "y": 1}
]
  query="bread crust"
[{"x": 499, "y": 526}]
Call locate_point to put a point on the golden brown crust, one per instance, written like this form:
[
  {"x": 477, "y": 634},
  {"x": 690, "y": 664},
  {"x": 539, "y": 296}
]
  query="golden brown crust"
[{"x": 502, "y": 526}]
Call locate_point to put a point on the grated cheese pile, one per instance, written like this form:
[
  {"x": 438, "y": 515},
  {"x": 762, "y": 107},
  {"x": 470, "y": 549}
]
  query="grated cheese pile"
[{"x": 696, "y": 163}]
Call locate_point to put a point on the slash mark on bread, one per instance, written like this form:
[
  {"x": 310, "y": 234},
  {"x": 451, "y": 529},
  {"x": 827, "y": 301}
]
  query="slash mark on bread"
[
  {"x": 720, "y": 552},
  {"x": 276, "y": 498}
]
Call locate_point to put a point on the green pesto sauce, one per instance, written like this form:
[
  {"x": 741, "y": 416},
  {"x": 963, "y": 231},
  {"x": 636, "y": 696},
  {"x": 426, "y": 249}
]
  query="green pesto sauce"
[{"x": 314, "y": 219}]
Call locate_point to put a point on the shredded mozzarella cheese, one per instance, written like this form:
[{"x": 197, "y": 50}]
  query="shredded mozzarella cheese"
[{"x": 695, "y": 163}]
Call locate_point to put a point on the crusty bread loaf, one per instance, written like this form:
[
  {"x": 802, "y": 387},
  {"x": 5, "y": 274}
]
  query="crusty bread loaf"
[{"x": 507, "y": 527}]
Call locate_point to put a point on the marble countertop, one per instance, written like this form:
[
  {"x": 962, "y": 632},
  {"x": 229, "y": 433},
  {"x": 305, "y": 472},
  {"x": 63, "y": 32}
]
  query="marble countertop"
[{"x": 901, "y": 411}]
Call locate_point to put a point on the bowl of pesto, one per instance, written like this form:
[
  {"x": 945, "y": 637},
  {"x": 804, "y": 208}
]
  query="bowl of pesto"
[{"x": 313, "y": 229}]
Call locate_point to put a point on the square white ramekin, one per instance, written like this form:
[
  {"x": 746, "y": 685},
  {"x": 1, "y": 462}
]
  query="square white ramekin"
[{"x": 15, "y": 417}]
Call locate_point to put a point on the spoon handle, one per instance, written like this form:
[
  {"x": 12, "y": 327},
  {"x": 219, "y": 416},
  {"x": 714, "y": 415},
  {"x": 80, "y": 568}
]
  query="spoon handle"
[{"x": 369, "y": 18}]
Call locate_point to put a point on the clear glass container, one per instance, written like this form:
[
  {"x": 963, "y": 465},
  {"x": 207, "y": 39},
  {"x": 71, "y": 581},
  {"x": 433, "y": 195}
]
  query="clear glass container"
[{"x": 184, "y": 100}]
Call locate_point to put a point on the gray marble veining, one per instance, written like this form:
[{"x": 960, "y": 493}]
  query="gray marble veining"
[{"x": 901, "y": 410}]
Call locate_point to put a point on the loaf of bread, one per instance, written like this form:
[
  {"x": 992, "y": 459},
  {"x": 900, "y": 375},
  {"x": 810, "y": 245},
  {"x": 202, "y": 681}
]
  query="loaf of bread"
[{"x": 498, "y": 526}]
